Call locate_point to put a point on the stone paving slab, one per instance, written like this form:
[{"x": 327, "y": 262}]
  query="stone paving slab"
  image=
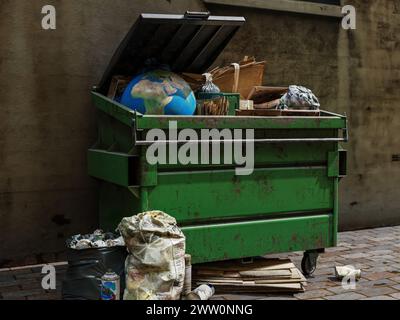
[
  {"x": 376, "y": 252},
  {"x": 346, "y": 296}
]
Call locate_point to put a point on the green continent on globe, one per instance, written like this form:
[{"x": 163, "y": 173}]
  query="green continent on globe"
[{"x": 153, "y": 94}]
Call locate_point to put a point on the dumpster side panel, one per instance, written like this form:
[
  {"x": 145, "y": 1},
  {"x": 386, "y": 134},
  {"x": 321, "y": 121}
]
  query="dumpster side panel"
[
  {"x": 254, "y": 238},
  {"x": 203, "y": 195},
  {"x": 265, "y": 155}
]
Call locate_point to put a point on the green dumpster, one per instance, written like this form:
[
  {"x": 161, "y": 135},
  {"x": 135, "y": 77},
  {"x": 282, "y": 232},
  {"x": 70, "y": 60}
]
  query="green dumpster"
[{"x": 288, "y": 203}]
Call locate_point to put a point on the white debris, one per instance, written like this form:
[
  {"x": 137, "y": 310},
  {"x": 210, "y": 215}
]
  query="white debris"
[
  {"x": 97, "y": 239},
  {"x": 347, "y": 271},
  {"x": 203, "y": 292}
]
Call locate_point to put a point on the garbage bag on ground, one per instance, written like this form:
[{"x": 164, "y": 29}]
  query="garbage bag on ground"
[
  {"x": 299, "y": 97},
  {"x": 97, "y": 239},
  {"x": 86, "y": 267},
  {"x": 155, "y": 267}
]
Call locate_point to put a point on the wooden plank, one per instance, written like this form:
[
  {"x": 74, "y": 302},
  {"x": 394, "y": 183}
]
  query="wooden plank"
[
  {"x": 260, "y": 276},
  {"x": 257, "y": 281},
  {"x": 276, "y": 279},
  {"x": 278, "y": 113},
  {"x": 297, "y": 273},
  {"x": 277, "y": 267},
  {"x": 266, "y": 273},
  {"x": 277, "y": 282},
  {"x": 268, "y": 105},
  {"x": 262, "y": 94},
  {"x": 213, "y": 281},
  {"x": 259, "y": 286}
]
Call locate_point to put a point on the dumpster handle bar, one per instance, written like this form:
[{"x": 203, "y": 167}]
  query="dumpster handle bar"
[
  {"x": 279, "y": 140},
  {"x": 150, "y": 142}
]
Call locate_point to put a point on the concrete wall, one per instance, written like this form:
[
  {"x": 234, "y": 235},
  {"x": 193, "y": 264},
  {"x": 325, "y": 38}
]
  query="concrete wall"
[
  {"x": 369, "y": 78},
  {"x": 353, "y": 72},
  {"x": 47, "y": 121}
]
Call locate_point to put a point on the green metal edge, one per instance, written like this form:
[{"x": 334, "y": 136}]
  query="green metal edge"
[
  {"x": 127, "y": 116},
  {"x": 235, "y": 122},
  {"x": 333, "y": 164},
  {"x": 109, "y": 166},
  {"x": 247, "y": 239},
  {"x": 114, "y": 109}
]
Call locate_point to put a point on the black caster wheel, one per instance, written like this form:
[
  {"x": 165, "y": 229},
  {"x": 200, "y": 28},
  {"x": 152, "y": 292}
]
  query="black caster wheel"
[{"x": 309, "y": 263}]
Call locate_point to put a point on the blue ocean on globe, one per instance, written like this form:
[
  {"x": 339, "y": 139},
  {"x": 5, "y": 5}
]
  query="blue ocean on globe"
[{"x": 159, "y": 92}]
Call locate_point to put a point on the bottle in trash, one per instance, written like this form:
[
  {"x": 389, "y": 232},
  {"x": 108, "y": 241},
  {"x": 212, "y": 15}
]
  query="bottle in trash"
[{"x": 110, "y": 286}]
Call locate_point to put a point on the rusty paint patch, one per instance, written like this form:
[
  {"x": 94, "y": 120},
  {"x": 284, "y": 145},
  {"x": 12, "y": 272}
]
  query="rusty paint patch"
[
  {"x": 196, "y": 214},
  {"x": 237, "y": 186}
]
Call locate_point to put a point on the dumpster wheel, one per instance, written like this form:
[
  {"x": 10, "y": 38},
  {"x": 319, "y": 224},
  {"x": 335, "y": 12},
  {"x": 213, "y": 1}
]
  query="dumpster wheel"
[{"x": 309, "y": 263}]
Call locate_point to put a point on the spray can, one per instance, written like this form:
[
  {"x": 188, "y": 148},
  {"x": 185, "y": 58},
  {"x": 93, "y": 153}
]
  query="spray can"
[{"x": 110, "y": 286}]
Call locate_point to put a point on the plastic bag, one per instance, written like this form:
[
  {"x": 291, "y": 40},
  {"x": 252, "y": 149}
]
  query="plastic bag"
[
  {"x": 208, "y": 86},
  {"x": 155, "y": 268},
  {"x": 299, "y": 97}
]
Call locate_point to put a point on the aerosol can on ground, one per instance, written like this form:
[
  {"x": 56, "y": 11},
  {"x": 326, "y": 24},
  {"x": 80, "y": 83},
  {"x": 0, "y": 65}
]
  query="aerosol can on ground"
[{"x": 110, "y": 286}]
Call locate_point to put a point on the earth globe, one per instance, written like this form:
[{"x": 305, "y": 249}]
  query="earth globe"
[{"x": 159, "y": 92}]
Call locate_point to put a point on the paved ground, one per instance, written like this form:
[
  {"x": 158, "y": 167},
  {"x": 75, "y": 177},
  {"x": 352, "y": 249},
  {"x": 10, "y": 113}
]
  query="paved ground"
[{"x": 376, "y": 252}]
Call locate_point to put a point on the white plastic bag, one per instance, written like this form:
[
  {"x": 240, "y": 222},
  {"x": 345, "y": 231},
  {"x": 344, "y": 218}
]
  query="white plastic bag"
[
  {"x": 155, "y": 267},
  {"x": 299, "y": 97}
]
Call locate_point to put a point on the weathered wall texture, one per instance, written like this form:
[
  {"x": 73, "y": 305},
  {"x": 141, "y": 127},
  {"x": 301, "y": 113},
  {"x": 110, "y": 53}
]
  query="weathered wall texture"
[
  {"x": 47, "y": 121},
  {"x": 369, "y": 78}
]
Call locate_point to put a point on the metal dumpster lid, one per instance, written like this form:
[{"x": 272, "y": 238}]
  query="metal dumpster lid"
[{"x": 187, "y": 43}]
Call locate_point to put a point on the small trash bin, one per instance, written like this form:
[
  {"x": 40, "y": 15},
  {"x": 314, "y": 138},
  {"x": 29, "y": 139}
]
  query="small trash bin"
[
  {"x": 289, "y": 203},
  {"x": 86, "y": 267}
]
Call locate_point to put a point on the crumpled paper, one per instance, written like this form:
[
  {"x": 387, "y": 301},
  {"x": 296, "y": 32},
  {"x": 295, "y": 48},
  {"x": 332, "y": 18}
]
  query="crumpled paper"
[
  {"x": 347, "y": 271},
  {"x": 155, "y": 267},
  {"x": 97, "y": 239},
  {"x": 300, "y": 98}
]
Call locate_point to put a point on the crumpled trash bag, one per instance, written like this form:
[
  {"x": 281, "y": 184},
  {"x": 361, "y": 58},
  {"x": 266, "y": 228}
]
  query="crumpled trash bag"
[
  {"x": 155, "y": 267},
  {"x": 299, "y": 97},
  {"x": 97, "y": 239},
  {"x": 82, "y": 280},
  {"x": 208, "y": 86}
]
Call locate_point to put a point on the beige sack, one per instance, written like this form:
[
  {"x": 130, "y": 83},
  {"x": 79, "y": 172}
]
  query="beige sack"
[{"x": 155, "y": 267}]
